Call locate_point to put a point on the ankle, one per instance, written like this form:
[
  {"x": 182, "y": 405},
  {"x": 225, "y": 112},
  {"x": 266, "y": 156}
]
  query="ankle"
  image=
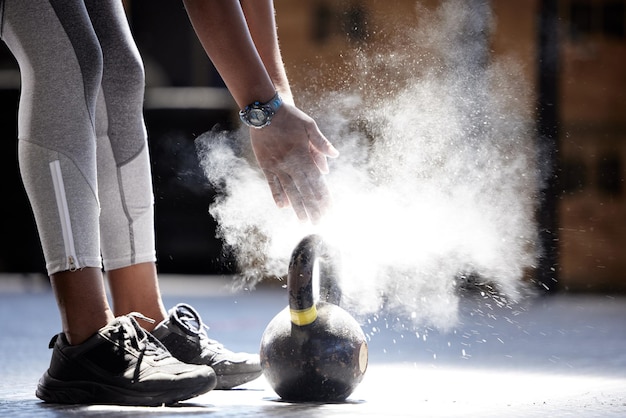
[{"x": 79, "y": 329}]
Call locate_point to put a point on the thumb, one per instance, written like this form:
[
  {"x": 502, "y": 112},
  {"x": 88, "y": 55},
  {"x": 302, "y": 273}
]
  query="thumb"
[{"x": 321, "y": 144}]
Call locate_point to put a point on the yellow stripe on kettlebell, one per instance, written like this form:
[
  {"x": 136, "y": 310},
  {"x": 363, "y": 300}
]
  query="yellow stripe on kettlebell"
[{"x": 302, "y": 317}]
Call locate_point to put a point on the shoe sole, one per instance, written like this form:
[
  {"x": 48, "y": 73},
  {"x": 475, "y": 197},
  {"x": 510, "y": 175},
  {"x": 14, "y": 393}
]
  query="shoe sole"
[
  {"x": 52, "y": 390},
  {"x": 230, "y": 381}
]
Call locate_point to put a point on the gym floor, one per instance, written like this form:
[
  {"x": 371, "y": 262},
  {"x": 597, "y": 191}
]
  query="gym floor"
[{"x": 559, "y": 355}]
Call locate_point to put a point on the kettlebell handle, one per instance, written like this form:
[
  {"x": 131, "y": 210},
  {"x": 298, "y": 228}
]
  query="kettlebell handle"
[{"x": 312, "y": 248}]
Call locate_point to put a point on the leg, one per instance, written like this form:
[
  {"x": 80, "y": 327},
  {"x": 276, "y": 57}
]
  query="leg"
[
  {"x": 135, "y": 289},
  {"x": 82, "y": 303},
  {"x": 98, "y": 358},
  {"x": 124, "y": 175},
  {"x": 127, "y": 219},
  {"x": 57, "y": 150}
]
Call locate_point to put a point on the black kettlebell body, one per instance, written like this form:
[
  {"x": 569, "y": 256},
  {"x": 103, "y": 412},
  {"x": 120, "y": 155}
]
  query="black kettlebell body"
[{"x": 313, "y": 351}]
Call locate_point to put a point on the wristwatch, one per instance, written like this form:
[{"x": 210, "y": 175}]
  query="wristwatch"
[{"x": 258, "y": 115}]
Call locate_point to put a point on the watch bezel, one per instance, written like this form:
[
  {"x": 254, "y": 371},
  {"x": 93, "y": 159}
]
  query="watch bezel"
[{"x": 259, "y": 116}]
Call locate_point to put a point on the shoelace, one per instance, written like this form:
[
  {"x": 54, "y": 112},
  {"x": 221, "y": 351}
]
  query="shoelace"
[{"x": 139, "y": 339}]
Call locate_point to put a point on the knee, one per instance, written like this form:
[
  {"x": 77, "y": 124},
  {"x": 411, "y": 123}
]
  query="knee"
[
  {"x": 126, "y": 71},
  {"x": 70, "y": 67},
  {"x": 134, "y": 70}
]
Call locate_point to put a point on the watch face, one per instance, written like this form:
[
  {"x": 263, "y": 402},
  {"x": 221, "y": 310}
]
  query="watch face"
[{"x": 257, "y": 117}]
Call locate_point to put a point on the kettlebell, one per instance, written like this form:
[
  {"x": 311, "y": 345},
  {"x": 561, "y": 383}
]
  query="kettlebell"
[{"x": 313, "y": 351}]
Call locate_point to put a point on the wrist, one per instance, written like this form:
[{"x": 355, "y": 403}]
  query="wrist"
[{"x": 259, "y": 115}]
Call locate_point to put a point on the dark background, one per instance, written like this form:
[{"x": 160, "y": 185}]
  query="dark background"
[{"x": 572, "y": 52}]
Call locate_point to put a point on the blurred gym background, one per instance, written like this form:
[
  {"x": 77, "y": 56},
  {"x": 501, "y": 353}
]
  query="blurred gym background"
[{"x": 574, "y": 51}]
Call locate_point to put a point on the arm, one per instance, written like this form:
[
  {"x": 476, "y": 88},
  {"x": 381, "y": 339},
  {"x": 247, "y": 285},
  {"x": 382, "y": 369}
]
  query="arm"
[
  {"x": 222, "y": 30},
  {"x": 262, "y": 25},
  {"x": 291, "y": 151}
]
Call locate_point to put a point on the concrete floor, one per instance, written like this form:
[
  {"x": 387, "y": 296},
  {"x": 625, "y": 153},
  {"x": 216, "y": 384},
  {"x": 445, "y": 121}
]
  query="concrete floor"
[{"x": 561, "y": 355}]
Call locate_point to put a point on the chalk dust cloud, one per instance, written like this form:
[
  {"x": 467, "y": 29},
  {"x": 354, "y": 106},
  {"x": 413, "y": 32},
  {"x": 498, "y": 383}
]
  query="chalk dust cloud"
[{"x": 437, "y": 180}]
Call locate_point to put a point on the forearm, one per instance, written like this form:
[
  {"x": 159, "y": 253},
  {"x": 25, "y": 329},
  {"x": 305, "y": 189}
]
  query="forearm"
[
  {"x": 222, "y": 30},
  {"x": 260, "y": 16},
  {"x": 241, "y": 39}
]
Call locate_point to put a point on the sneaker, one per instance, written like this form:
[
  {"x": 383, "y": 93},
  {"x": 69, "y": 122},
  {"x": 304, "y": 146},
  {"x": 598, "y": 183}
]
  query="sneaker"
[
  {"x": 121, "y": 364},
  {"x": 184, "y": 335}
]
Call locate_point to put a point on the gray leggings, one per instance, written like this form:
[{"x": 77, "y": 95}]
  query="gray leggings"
[{"x": 83, "y": 151}]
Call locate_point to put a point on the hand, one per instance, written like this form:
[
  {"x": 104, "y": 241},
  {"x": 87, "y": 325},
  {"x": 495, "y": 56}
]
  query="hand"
[{"x": 292, "y": 153}]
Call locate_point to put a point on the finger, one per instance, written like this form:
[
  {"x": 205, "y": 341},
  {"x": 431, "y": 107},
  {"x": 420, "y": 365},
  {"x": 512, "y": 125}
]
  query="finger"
[
  {"x": 319, "y": 159},
  {"x": 296, "y": 198},
  {"x": 311, "y": 204},
  {"x": 312, "y": 192},
  {"x": 322, "y": 193},
  {"x": 320, "y": 143},
  {"x": 278, "y": 193}
]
